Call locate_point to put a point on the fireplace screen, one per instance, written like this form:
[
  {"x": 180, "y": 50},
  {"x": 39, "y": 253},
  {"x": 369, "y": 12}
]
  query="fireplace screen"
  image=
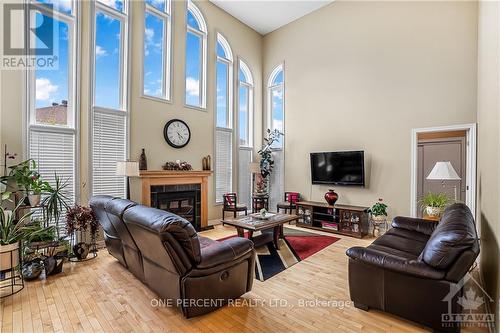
[{"x": 182, "y": 200}]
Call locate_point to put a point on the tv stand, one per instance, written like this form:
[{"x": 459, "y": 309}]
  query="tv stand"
[{"x": 339, "y": 219}]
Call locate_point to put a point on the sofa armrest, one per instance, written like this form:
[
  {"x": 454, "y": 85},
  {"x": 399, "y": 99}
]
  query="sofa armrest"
[
  {"x": 414, "y": 224},
  {"x": 217, "y": 253},
  {"x": 394, "y": 263}
]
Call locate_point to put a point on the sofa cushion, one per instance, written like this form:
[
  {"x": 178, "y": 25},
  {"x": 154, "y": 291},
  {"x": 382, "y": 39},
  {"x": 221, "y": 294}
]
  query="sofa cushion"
[
  {"x": 418, "y": 236},
  {"x": 454, "y": 234},
  {"x": 404, "y": 244}
]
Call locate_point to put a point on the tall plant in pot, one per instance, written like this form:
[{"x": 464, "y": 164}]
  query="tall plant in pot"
[
  {"x": 20, "y": 178},
  {"x": 12, "y": 232},
  {"x": 267, "y": 160},
  {"x": 36, "y": 188},
  {"x": 56, "y": 201}
]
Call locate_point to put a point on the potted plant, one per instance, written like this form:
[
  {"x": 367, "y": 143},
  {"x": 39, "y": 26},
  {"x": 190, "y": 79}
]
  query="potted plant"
[
  {"x": 11, "y": 233},
  {"x": 56, "y": 201},
  {"x": 21, "y": 175},
  {"x": 82, "y": 219},
  {"x": 36, "y": 187},
  {"x": 267, "y": 160},
  {"x": 378, "y": 211},
  {"x": 433, "y": 204}
]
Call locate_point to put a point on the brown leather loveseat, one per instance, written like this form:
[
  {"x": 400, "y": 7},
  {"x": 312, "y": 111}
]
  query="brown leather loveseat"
[
  {"x": 414, "y": 270},
  {"x": 164, "y": 251}
]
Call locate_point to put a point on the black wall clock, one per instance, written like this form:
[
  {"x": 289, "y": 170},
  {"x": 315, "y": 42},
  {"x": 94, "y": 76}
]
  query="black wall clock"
[{"x": 177, "y": 134}]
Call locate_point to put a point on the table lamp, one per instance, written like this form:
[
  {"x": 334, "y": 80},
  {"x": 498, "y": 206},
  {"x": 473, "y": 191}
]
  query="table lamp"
[
  {"x": 127, "y": 169},
  {"x": 444, "y": 171}
]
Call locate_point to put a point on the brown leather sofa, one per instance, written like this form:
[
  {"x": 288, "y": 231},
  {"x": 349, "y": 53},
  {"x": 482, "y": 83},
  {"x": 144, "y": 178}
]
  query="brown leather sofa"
[
  {"x": 413, "y": 270},
  {"x": 164, "y": 251}
]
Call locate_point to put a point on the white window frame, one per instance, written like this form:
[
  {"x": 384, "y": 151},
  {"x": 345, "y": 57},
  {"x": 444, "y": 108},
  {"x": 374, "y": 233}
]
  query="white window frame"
[
  {"x": 123, "y": 17},
  {"x": 166, "y": 17},
  {"x": 203, "y": 34},
  {"x": 229, "y": 62},
  {"x": 250, "y": 102},
  {"x": 72, "y": 128}
]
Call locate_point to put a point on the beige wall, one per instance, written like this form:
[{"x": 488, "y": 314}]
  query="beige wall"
[
  {"x": 148, "y": 116},
  {"x": 489, "y": 146},
  {"x": 361, "y": 75}
]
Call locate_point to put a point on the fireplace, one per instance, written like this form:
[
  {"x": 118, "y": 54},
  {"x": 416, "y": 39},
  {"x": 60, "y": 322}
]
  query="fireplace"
[{"x": 183, "y": 200}]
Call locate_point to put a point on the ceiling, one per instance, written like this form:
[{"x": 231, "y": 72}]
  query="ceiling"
[{"x": 266, "y": 16}]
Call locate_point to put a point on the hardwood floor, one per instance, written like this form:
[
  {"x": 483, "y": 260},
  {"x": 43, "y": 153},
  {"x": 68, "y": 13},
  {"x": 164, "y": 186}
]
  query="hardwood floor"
[{"x": 100, "y": 295}]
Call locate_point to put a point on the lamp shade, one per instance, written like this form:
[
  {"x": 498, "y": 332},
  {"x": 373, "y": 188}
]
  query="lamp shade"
[
  {"x": 443, "y": 171},
  {"x": 127, "y": 168},
  {"x": 254, "y": 167}
]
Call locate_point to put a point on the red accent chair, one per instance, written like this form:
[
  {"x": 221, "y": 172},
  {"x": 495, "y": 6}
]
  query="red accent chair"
[
  {"x": 290, "y": 203},
  {"x": 231, "y": 205}
]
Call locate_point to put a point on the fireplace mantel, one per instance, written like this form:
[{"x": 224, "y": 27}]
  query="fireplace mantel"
[{"x": 162, "y": 177}]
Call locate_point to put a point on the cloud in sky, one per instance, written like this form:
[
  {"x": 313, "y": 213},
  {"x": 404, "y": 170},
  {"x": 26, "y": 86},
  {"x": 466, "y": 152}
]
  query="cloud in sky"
[
  {"x": 44, "y": 89},
  {"x": 100, "y": 51},
  {"x": 192, "y": 86}
]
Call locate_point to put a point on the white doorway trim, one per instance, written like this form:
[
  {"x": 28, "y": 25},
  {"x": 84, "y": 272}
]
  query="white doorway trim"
[{"x": 470, "y": 192}]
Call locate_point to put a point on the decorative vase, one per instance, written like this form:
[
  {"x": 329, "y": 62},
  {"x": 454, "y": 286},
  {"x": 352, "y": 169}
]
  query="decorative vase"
[
  {"x": 378, "y": 218},
  {"x": 331, "y": 197},
  {"x": 32, "y": 269},
  {"x": 34, "y": 199},
  {"x": 433, "y": 211},
  {"x": 143, "y": 161},
  {"x": 9, "y": 256},
  {"x": 81, "y": 250}
]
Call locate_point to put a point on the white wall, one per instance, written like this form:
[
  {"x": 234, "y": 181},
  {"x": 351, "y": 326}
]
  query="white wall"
[{"x": 361, "y": 75}]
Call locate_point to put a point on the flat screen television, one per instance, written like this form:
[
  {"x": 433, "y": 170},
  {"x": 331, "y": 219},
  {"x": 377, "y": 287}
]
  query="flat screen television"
[{"x": 338, "y": 168}]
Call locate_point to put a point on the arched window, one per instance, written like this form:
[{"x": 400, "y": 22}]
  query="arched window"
[
  {"x": 157, "y": 49},
  {"x": 276, "y": 120},
  {"x": 245, "y": 131},
  {"x": 224, "y": 119},
  {"x": 196, "y": 57}
]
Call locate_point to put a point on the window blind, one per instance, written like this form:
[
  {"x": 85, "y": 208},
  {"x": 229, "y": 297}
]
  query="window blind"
[
  {"x": 277, "y": 179},
  {"x": 223, "y": 163},
  {"x": 108, "y": 147},
  {"x": 244, "y": 176}
]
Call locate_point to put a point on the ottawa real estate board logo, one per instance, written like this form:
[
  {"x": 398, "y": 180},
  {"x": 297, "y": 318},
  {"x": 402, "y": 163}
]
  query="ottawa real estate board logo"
[{"x": 30, "y": 37}]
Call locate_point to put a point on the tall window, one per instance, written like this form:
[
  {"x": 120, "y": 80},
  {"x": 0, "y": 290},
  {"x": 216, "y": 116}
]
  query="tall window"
[
  {"x": 276, "y": 115},
  {"x": 109, "y": 111},
  {"x": 224, "y": 120},
  {"x": 196, "y": 57},
  {"x": 245, "y": 130},
  {"x": 157, "y": 49},
  {"x": 52, "y": 110}
]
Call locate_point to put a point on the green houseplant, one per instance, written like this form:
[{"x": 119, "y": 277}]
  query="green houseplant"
[
  {"x": 434, "y": 203},
  {"x": 379, "y": 210},
  {"x": 267, "y": 160},
  {"x": 12, "y": 232},
  {"x": 36, "y": 187},
  {"x": 56, "y": 201}
]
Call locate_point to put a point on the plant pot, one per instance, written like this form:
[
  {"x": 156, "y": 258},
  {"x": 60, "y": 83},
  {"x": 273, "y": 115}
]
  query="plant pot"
[
  {"x": 433, "y": 211},
  {"x": 331, "y": 197},
  {"x": 9, "y": 256},
  {"x": 34, "y": 199},
  {"x": 81, "y": 250},
  {"x": 379, "y": 218},
  {"x": 21, "y": 195},
  {"x": 32, "y": 269}
]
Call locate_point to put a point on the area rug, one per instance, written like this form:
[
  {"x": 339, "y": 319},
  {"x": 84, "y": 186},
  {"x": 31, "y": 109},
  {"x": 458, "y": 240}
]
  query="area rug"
[{"x": 296, "y": 246}]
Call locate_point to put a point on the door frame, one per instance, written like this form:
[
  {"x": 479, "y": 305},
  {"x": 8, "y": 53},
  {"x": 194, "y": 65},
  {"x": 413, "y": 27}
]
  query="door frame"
[{"x": 470, "y": 163}]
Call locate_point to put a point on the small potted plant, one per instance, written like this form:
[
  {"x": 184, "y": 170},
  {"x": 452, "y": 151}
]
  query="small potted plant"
[
  {"x": 378, "y": 211},
  {"x": 434, "y": 204},
  {"x": 36, "y": 187},
  {"x": 82, "y": 219}
]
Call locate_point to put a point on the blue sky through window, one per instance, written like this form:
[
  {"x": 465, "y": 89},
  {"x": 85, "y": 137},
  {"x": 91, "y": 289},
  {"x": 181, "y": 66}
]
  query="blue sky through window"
[
  {"x": 222, "y": 93},
  {"x": 107, "y": 62},
  {"x": 279, "y": 78},
  {"x": 243, "y": 115},
  {"x": 52, "y": 85},
  {"x": 193, "y": 69},
  {"x": 63, "y": 6},
  {"x": 158, "y": 4},
  {"x": 277, "y": 112},
  {"x": 116, "y": 4},
  {"x": 153, "y": 56},
  {"x": 191, "y": 21}
]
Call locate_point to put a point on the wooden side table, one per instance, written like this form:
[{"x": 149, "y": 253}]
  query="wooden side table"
[
  {"x": 259, "y": 202},
  {"x": 431, "y": 218}
]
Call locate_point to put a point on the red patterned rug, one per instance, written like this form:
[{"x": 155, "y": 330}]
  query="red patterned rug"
[{"x": 296, "y": 246}]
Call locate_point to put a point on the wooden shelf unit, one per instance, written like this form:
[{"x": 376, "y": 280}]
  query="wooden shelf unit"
[{"x": 339, "y": 219}]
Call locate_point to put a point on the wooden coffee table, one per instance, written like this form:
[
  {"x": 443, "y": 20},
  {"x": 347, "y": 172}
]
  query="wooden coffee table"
[{"x": 251, "y": 224}]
